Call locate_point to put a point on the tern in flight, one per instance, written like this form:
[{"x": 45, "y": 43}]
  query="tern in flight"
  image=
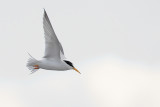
[{"x": 54, "y": 58}]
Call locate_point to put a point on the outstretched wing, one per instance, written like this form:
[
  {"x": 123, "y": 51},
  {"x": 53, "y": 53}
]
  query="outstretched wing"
[{"x": 53, "y": 47}]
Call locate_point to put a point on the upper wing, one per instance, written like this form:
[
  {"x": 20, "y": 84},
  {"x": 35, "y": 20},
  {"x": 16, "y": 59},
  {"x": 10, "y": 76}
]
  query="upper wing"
[{"x": 52, "y": 45}]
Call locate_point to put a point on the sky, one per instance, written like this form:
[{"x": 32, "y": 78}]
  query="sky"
[{"x": 114, "y": 44}]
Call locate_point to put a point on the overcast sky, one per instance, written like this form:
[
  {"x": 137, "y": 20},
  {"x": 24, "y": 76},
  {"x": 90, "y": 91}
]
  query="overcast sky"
[{"x": 114, "y": 44}]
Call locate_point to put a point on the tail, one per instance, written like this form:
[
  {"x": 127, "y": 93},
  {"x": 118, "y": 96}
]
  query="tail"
[{"x": 30, "y": 64}]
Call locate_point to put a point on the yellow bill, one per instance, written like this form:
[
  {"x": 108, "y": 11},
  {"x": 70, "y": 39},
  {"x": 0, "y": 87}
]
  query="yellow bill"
[{"x": 76, "y": 70}]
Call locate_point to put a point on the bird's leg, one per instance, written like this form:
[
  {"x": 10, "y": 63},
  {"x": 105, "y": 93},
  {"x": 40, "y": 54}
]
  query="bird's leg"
[{"x": 36, "y": 66}]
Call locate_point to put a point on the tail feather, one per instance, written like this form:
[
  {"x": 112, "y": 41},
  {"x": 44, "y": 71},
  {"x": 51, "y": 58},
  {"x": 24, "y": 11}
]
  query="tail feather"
[{"x": 30, "y": 64}]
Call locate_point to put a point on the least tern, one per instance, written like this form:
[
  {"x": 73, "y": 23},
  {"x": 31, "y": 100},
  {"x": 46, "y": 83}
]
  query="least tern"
[{"x": 54, "y": 58}]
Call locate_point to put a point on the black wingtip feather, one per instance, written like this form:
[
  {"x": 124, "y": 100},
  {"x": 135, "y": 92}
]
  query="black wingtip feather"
[{"x": 44, "y": 11}]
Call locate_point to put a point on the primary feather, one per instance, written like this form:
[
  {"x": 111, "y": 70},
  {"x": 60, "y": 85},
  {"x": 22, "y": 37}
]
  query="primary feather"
[{"x": 52, "y": 44}]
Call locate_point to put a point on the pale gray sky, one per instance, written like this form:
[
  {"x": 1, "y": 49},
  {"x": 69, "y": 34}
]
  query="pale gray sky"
[{"x": 115, "y": 45}]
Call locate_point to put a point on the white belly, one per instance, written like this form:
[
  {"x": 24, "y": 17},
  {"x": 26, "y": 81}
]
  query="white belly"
[{"x": 53, "y": 65}]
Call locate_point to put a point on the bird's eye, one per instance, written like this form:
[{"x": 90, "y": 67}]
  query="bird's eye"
[{"x": 69, "y": 63}]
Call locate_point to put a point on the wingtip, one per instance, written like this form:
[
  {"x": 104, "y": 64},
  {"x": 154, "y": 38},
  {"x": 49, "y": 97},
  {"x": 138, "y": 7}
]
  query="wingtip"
[{"x": 44, "y": 10}]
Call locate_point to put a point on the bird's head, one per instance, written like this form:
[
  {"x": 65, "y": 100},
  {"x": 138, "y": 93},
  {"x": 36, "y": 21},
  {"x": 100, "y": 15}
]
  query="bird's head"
[{"x": 71, "y": 65}]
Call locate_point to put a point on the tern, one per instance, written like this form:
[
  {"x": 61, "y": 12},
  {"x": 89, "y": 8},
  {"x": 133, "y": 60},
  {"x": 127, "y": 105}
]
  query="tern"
[{"x": 54, "y": 58}]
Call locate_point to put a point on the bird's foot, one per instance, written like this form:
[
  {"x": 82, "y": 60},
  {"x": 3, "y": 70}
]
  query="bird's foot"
[{"x": 36, "y": 66}]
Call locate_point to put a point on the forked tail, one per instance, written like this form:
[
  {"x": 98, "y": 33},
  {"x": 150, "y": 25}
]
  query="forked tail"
[{"x": 31, "y": 64}]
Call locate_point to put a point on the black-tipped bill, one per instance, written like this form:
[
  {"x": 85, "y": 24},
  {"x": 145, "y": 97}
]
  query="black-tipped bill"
[{"x": 76, "y": 70}]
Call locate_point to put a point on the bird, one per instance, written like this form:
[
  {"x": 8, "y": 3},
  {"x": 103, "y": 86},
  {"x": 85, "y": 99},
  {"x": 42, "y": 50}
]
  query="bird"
[{"x": 54, "y": 58}]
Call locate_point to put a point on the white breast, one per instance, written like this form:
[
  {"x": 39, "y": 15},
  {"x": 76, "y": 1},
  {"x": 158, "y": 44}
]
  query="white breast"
[{"x": 51, "y": 64}]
